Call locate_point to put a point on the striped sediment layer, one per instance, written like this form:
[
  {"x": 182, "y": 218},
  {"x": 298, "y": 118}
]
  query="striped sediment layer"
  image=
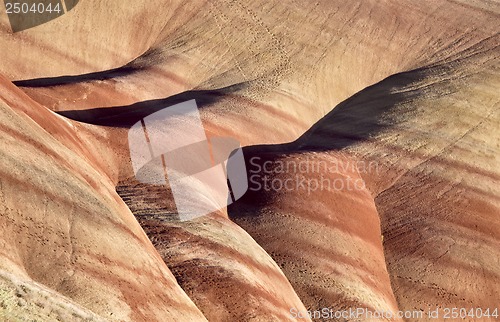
[{"x": 398, "y": 98}]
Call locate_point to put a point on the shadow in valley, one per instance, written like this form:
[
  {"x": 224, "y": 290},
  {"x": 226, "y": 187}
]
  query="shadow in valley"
[
  {"x": 126, "y": 116},
  {"x": 75, "y": 79},
  {"x": 357, "y": 119}
]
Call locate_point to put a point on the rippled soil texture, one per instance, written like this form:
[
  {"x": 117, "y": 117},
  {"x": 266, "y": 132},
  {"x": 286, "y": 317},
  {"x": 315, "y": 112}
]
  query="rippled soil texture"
[{"x": 402, "y": 97}]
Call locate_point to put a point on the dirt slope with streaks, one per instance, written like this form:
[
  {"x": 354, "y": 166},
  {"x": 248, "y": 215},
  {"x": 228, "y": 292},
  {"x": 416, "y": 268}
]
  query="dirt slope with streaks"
[
  {"x": 409, "y": 87},
  {"x": 64, "y": 227}
]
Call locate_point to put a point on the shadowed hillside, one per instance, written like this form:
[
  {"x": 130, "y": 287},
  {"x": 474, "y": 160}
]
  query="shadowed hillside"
[{"x": 392, "y": 108}]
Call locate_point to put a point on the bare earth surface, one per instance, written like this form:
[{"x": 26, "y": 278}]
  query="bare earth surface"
[{"x": 402, "y": 97}]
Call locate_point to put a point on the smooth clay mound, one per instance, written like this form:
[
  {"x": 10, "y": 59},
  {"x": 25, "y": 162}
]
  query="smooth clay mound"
[{"x": 408, "y": 86}]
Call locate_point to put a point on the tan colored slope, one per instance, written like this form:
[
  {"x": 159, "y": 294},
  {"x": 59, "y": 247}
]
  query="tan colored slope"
[
  {"x": 426, "y": 145},
  {"x": 92, "y": 36},
  {"x": 63, "y": 225},
  {"x": 454, "y": 228},
  {"x": 252, "y": 66},
  {"x": 223, "y": 270},
  {"x": 292, "y": 62},
  {"x": 312, "y": 213},
  {"x": 237, "y": 266},
  {"x": 434, "y": 134},
  {"x": 25, "y": 300}
]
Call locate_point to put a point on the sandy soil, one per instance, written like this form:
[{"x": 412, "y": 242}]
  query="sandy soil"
[{"x": 408, "y": 87}]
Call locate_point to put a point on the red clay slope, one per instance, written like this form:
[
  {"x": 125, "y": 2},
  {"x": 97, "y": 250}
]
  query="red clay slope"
[
  {"x": 63, "y": 225},
  {"x": 433, "y": 133},
  {"x": 265, "y": 73}
]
